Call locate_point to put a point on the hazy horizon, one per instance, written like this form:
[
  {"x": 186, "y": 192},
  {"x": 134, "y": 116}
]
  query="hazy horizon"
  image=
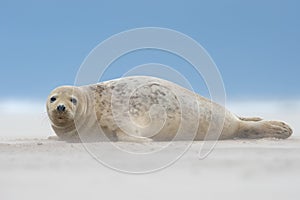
[{"x": 29, "y": 119}]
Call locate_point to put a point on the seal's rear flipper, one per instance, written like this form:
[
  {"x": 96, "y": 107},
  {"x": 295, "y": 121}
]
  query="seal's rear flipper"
[{"x": 264, "y": 129}]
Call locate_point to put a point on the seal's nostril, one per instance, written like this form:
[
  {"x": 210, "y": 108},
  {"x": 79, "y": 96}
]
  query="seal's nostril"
[{"x": 61, "y": 108}]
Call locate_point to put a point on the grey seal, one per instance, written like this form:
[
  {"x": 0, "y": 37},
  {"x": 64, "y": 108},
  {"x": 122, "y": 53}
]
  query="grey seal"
[{"x": 142, "y": 108}]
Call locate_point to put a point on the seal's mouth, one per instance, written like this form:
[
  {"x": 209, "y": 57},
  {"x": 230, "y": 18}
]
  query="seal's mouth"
[
  {"x": 60, "y": 115},
  {"x": 61, "y": 118}
]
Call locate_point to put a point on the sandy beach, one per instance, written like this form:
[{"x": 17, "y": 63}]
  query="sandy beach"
[
  {"x": 32, "y": 167},
  {"x": 239, "y": 169}
]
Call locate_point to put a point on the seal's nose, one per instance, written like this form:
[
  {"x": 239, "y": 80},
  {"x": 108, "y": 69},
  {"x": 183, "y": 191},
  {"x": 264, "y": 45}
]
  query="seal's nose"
[{"x": 61, "y": 108}]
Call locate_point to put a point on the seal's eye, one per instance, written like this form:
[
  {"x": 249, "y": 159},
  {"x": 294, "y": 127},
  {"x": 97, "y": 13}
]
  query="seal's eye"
[
  {"x": 73, "y": 100},
  {"x": 52, "y": 99}
]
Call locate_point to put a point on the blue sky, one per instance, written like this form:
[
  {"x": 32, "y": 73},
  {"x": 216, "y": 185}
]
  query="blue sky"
[{"x": 255, "y": 44}]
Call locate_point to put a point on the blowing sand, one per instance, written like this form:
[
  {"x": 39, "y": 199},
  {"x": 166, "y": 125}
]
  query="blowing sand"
[{"x": 32, "y": 167}]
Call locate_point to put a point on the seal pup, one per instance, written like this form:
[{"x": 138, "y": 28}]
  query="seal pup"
[{"x": 142, "y": 108}]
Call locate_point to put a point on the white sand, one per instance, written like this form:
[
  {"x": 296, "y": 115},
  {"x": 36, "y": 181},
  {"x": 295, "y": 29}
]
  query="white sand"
[
  {"x": 238, "y": 169},
  {"x": 260, "y": 169}
]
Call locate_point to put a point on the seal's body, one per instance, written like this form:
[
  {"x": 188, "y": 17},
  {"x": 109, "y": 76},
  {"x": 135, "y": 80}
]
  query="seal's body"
[{"x": 144, "y": 108}]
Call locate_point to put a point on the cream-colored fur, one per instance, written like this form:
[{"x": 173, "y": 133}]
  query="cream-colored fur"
[{"x": 146, "y": 108}]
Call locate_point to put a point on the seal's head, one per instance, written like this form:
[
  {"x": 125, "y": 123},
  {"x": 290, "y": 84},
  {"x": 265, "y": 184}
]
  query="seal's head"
[{"x": 63, "y": 105}]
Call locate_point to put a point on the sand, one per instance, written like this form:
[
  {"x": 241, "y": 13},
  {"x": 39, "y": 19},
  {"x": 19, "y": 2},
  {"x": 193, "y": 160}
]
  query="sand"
[
  {"x": 237, "y": 169},
  {"x": 32, "y": 167}
]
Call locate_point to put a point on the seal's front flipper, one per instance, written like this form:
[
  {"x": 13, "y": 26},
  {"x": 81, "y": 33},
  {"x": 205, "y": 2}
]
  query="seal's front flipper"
[
  {"x": 123, "y": 137},
  {"x": 53, "y": 137}
]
